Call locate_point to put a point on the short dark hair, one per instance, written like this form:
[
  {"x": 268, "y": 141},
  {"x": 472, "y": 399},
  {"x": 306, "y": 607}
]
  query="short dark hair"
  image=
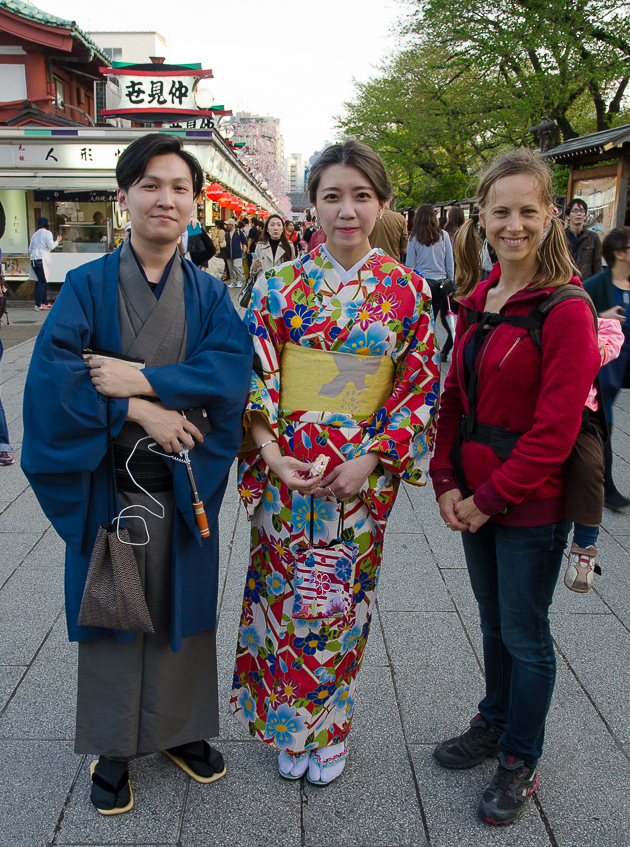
[
  {"x": 617, "y": 239},
  {"x": 133, "y": 161},
  {"x": 356, "y": 155},
  {"x": 577, "y": 201}
]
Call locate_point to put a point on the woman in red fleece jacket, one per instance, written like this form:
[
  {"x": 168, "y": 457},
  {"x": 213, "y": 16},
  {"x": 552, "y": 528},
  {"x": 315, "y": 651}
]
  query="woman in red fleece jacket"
[{"x": 509, "y": 505}]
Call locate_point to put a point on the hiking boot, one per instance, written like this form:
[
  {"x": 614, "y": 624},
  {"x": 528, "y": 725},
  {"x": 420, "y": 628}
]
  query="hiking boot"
[
  {"x": 504, "y": 801},
  {"x": 582, "y": 565},
  {"x": 470, "y": 748}
]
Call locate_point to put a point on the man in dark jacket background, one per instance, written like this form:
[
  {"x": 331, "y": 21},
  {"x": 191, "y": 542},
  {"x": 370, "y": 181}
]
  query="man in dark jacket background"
[{"x": 584, "y": 244}]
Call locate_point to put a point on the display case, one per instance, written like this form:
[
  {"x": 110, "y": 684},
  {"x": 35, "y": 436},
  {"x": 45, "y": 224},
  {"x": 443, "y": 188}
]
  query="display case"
[{"x": 85, "y": 238}]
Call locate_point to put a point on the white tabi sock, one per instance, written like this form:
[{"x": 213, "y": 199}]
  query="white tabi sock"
[
  {"x": 315, "y": 773},
  {"x": 288, "y": 764}
]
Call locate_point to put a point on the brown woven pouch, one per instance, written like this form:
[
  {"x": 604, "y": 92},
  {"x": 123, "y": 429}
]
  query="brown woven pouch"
[{"x": 113, "y": 597}]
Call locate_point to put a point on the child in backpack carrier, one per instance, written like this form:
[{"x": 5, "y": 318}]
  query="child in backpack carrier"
[{"x": 584, "y": 476}]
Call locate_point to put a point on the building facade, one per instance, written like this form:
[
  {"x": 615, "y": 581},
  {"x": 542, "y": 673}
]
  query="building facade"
[
  {"x": 48, "y": 68},
  {"x": 294, "y": 171},
  {"x": 131, "y": 47}
]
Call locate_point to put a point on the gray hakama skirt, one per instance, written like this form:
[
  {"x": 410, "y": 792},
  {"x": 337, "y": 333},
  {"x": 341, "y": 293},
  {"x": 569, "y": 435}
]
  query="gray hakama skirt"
[{"x": 139, "y": 697}]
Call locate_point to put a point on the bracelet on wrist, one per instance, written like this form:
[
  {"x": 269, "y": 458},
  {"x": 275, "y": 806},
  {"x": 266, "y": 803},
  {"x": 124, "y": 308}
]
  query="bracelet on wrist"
[{"x": 266, "y": 444}]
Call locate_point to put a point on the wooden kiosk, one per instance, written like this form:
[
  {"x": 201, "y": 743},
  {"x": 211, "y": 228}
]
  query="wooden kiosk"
[{"x": 600, "y": 167}]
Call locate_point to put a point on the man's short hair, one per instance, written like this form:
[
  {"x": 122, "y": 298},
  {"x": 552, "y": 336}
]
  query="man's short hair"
[
  {"x": 577, "y": 201},
  {"x": 617, "y": 239},
  {"x": 134, "y": 160}
]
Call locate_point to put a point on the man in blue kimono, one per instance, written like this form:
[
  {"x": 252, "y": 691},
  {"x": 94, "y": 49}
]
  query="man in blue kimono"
[{"x": 139, "y": 693}]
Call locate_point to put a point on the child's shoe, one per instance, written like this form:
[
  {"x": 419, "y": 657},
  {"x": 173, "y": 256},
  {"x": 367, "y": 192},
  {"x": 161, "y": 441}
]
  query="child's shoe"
[{"x": 581, "y": 567}]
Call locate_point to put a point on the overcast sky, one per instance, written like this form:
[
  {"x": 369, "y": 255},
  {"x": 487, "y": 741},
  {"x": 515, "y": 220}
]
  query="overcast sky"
[{"x": 293, "y": 60}]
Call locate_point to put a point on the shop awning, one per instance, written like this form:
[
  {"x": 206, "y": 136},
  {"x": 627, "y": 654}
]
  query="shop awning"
[{"x": 46, "y": 181}]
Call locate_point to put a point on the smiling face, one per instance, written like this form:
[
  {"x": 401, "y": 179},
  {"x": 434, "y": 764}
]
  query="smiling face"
[
  {"x": 347, "y": 206},
  {"x": 160, "y": 203},
  {"x": 514, "y": 218},
  {"x": 290, "y": 227}
]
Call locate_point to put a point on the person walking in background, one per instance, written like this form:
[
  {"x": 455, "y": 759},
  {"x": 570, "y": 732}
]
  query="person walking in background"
[
  {"x": 318, "y": 238},
  {"x": 235, "y": 240},
  {"x": 610, "y": 293},
  {"x": 430, "y": 254},
  {"x": 41, "y": 244},
  {"x": 454, "y": 222},
  {"x": 309, "y": 231},
  {"x": 273, "y": 247},
  {"x": 243, "y": 226},
  {"x": 585, "y": 246},
  {"x": 390, "y": 234},
  {"x": 289, "y": 228},
  {"x": 253, "y": 235},
  {"x": 327, "y": 331},
  {"x": 200, "y": 246},
  {"x": 6, "y": 451},
  {"x": 510, "y": 413}
]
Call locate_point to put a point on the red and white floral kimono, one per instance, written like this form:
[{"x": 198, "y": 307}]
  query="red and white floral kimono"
[{"x": 294, "y": 682}]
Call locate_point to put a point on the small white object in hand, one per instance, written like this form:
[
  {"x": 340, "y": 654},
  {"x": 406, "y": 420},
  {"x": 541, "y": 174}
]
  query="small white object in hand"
[{"x": 320, "y": 464}]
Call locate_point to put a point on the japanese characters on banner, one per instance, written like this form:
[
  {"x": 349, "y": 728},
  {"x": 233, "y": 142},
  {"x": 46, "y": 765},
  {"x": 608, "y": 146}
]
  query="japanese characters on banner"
[{"x": 152, "y": 92}]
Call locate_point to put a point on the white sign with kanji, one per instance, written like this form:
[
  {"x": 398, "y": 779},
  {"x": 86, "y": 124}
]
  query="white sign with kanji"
[{"x": 159, "y": 92}]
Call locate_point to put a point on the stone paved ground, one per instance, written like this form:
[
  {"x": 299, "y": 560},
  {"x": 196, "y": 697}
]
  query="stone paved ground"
[{"x": 420, "y": 683}]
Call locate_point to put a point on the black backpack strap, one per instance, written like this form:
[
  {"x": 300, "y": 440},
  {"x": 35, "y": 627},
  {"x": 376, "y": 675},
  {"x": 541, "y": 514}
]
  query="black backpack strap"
[{"x": 557, "y": 296}]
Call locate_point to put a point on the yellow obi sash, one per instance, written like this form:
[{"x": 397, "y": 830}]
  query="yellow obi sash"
[{"x": 326, "y": 381}]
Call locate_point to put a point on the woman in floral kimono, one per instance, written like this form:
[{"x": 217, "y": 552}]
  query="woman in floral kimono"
[{"x": 346, "y": 366}]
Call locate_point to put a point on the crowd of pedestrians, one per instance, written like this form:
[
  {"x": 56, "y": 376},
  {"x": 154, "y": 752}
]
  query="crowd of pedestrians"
[{"x": 328, "y": 393}]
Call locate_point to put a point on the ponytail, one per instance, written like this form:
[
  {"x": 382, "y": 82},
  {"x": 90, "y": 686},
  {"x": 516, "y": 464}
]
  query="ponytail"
[
  {"x": 467, "y": 259},
  {"x": 556, "y": 265}
]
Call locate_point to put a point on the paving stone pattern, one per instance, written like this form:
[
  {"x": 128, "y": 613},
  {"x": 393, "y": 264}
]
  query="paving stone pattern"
[{"x": 421, "y": 681}]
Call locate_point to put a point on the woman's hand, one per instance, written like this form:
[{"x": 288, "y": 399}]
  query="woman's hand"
[
  {"x": 447, "y": 503},
  {"x": 346, "y": 480},
  {"x": 256, "y": 266},
  {"x": 115, "y": 378},
  {"x": 468, "y": 513},
  {"x": 289, "y": 470},
  {"x": 166, "y": 426},
  {"x": 617, "y": 313}
]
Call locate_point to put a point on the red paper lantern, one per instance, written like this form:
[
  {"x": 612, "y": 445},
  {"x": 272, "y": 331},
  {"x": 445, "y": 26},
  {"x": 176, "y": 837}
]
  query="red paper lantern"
[
  {"x": 250, "y": 208},
  {"x": 214, "y": 191},
  {"x": 224, "y": 199}
]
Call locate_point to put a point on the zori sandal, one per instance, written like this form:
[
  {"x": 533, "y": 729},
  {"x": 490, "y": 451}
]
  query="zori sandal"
[
  {"x": 328, "y": 764},
  {"x": 110, "y": 799},
  {"x": 288, "y": 762},
  {"x": 204, "y": 766}
]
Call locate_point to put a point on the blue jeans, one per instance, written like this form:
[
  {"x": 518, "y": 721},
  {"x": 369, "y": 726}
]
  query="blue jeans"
[
  {"x": 41, "y": 289},
  {"x": 513, "y": 571},
  {"x": 5, "y": 447}
]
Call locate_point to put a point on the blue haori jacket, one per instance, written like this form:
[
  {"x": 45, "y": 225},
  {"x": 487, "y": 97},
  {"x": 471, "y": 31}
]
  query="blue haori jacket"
[{"x": 65, "y": 431}]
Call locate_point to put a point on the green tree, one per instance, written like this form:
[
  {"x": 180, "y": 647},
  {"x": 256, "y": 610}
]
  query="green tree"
[
  {"x": 472, "y": 76},
  {"x": 553, "y": 57}
]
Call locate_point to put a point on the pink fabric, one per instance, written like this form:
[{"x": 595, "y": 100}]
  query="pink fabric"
[{"x": 610, "y": 334}]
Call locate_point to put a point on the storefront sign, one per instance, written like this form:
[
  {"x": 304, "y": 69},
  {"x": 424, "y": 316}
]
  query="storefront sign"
[
  {"x": 60, "y": 156},
  {"x": 159, "y": 96},
  {"x": 157, "y": 91},
  {"x": 60, "y": 196}
]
